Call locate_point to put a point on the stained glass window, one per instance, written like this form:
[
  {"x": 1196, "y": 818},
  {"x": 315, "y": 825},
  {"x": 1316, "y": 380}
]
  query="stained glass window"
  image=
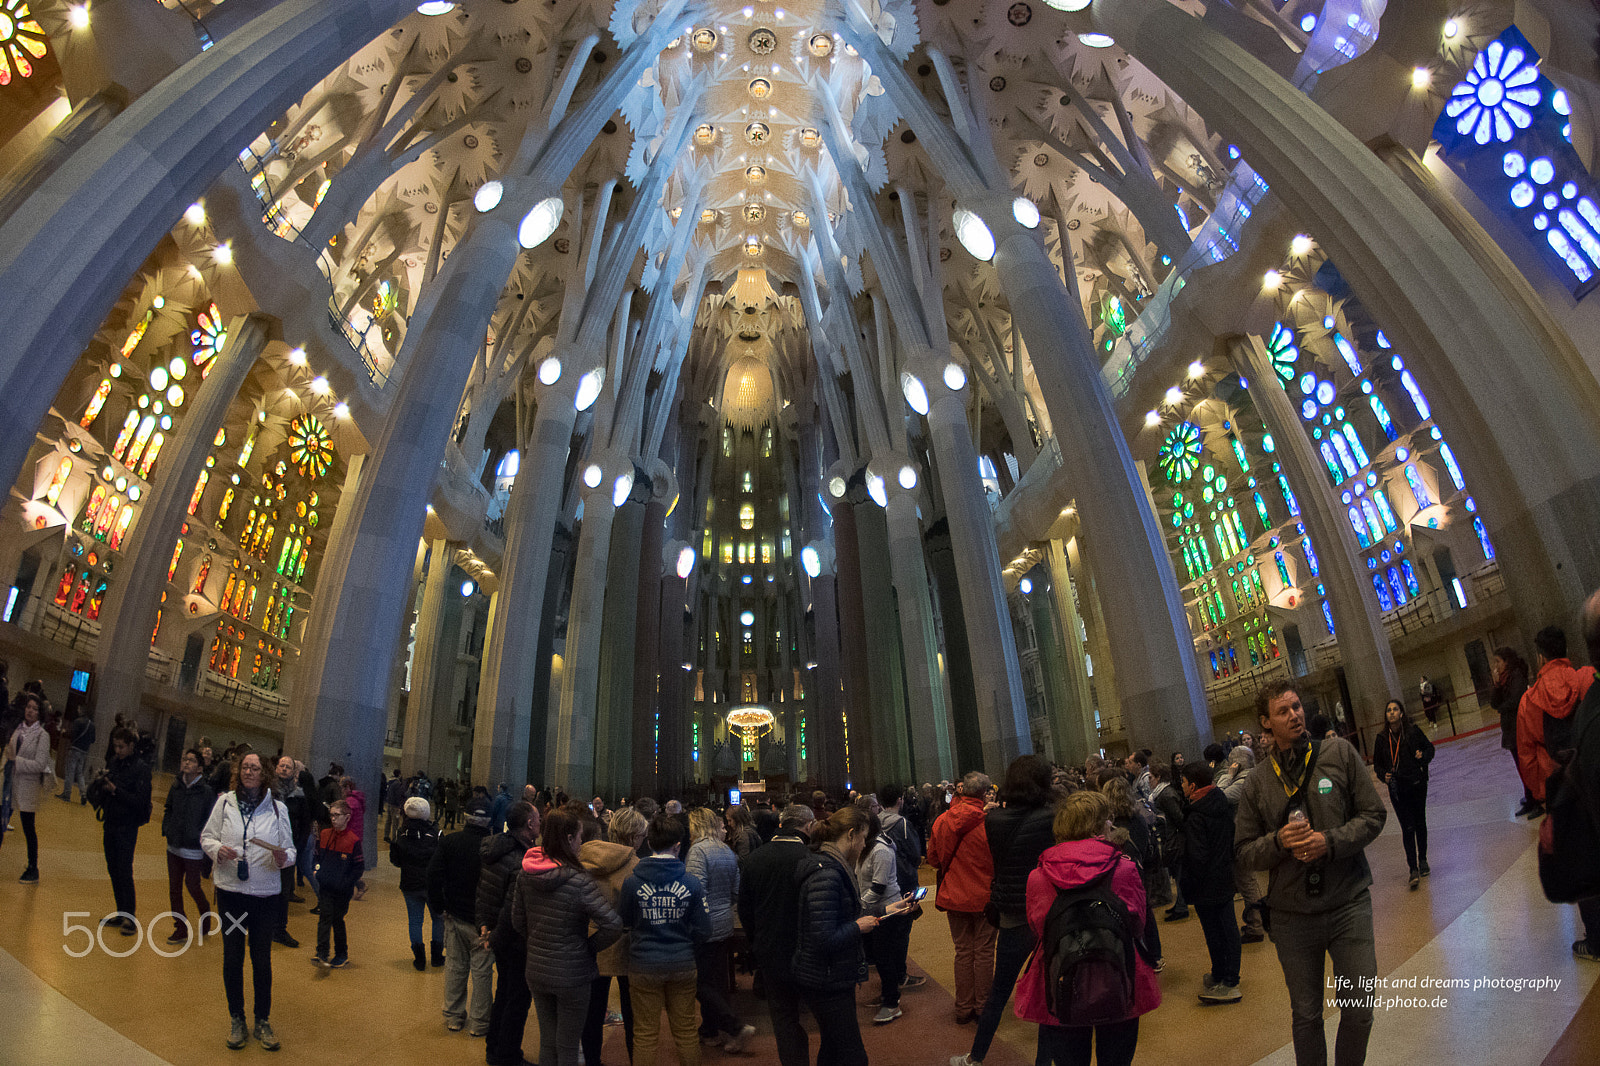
[
  {"x": 199, "y": 490},
  {"x": 146, "y": 426},
  {"x": 20, "y": 38},
  {"x": 1180, "y": 452},
  {"x": 1411, "y": 577},
  {"x": 1450, "y": 464},
  {"x": 177, "y": 553},
  {"x": 1331, "y": 461},
  {"x": 1483, "y": 538},
  {"x": 1238, "y": 453},
  {"x": 1419, "y": 491},
  {"x": 1360, "y": 528},
  {"x": 96, "y": 498},
  {"x": 747, "y": 516},
  {"x": 58, "y": 481},
  {"x": 310, "y": 447},
  {"x": 129, "y": 425},
  {"x": 150, "y": 454},
  {"x": 1374, "y": 527},
  {"x": 1281, "y": 349},
  {"x": 1261, "y": 512},
  {"x": 107, "y": 515},
  {"x": 200, "y": 579},
  {"x": 1311, "y": 557},
  {"x": 96, "y": 402},
  {"x": 1288, "y": 496},
  {"x": 1351, "y": 358},
  {"x": 208, "y": 339},
  {"x": 1356, "y": 449},
  {"x": 1283, "y": 570},
  {"x": 1387, "y": 512},
  {"x": 1398, "y": 586},
  {"x": 1415, "y": 393},
  {"x": 1384, "y": 420},
  {"x": 123, "y": 521},
  {"x": 1385, "y": 601}
]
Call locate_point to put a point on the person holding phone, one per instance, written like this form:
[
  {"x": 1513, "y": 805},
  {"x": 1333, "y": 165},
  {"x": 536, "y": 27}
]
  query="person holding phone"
[
  {"x": 886, "y": 946},
  {"x": 250, "y": 839}
]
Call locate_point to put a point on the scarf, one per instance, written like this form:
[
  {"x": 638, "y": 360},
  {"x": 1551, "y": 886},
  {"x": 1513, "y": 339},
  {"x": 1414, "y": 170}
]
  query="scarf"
[
  {"x": 248, "y": 802},
  {"x": 832, "y": 848}
]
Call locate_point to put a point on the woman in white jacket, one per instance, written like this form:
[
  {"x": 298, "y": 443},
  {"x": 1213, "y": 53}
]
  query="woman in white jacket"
[
  {"x": 29, "y": 750},
  {"x": 887, "y": 944},
  {"x": 249, "y": 838}
]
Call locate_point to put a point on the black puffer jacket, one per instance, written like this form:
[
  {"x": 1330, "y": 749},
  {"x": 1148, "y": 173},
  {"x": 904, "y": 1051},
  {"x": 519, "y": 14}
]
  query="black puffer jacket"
[
  {"x": 412, "y": 850},
  {"x": 1017, "y": 837},
  {"x": 552, "y": 909},
  {"x": 500, "y": 858},
  {"x": 454, "y": 871},
  {"x": 188, "y": 807},
  {"x": 827, "y": 954},
  {"x": 1505, "y": 698},
  {"x": 129, "y": 805},
  {"x": 1207, "y": 868}
]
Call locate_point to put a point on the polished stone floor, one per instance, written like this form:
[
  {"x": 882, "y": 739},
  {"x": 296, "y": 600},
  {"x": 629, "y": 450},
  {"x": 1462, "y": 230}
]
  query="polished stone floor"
[{"x": 1479, "y": 916}]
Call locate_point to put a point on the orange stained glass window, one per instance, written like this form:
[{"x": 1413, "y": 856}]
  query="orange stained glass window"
[
  {"x": 238, "y": 599},
  {"x": 199, "y": 491},
  {"x": 227, "y": 592},
  {"x": 227, "y": 504},
  {"x": 130, "y": 424},
  {"x": 147, "y": 426},
  {"x": 107, "y": 515},
  {"x": 96, "y": 498},
  {"x": 156, "y": 632},
  {"x": 200, "y": 579},
  {"x": 233, "y": 661},
  {"x": 96, "y": 402},
  {"x": 99, "y": 597},
  {"x": 64, "y": 589},
  {"x": 58, "y": 480},
  {"x": 81, "y": 593},
  {"x": 150, "y": 455},
  {"x": 137, "y": 333},
  {"x": 123, "y": 521},
  {"x": 177, "y": 553},
  {"x": 249, "y": 603}
]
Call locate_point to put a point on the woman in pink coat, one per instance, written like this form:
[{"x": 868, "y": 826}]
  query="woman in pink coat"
[{"x": 1082, "y": 822}]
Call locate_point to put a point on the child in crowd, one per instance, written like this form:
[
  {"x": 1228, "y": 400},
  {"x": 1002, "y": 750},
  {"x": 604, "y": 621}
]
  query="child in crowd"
[
  {"x": 664, "y": 908},
  {"x": 339, "y": 867}
]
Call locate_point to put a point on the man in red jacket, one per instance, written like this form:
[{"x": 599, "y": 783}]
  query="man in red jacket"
[
  {"x": 960, "y": 852},
  {"x": 1552, "y": 696}
]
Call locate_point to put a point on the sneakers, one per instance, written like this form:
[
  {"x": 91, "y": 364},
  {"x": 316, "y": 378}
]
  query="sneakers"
[
  {"x": 913, "y": 980},
  {"x": 237, "y": 1035},
  {"x": 885, "y": 1015},
  {"x": 455, "y": 1025},
  {"x": 1246, "y": 936},
  {"x": 340, "y": 962},
  {"x": 1207, "y": 982},
  {"x": 320, "y": 960},
  {"x": 734, "y": 1043},
  {"x": 30, "y": 876},
  {"x": 965, "y": 1060},
  {"x": 1422, "y": 868},
  {"x": 1159, "y": 965},
  {"x": 1221, "y": 993},
  {"x": 1415, "y": 880},
  {"x": 264, "y": 1035},
  {"x": 1582, "y": 949},
  {"x": 179, "y": 936}
]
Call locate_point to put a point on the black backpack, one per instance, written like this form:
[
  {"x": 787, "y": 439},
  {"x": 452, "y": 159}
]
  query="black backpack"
[
  {"x": 1088, "y": 952},
  {"x": 1569, "y": 839},
  {"x": 907, "y": 855}
]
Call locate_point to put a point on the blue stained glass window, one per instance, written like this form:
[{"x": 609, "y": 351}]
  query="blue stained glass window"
[
  {"x": 1261, "y": 512},
  {"x": 1374, "y": 527},
  {"x": 1238, "y": 453},
  {"x": 1387, "y": 512},
  {"x": 1311, "y": 557},
  {"x": 1450, "y": 464},
  {"x": 1355, "y": 444},
  {"x": 1385, "y": 601},
  {"x": 1483, "y": 538},
  {"x": 1348, "y": 461},
  {"x": 1418, "y": 490},
  {"x": 1398, "y": 586},
  {"x": 1327, "y": 617},
  {"x": 1346, "y": 349},
  {"x": 1332, "y": 462},
  {"x": 1417, "y": 398},
  {"x": 1283, "y": 569},
  {"x": 1360, "y": 528},
  {"x": 1308, "y": 410},
  {"x": 1288, "y": 496},
  {"x": 1411, "y": 577}
]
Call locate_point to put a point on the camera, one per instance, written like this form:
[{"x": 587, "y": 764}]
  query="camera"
[{"x": 244, "y": 869}]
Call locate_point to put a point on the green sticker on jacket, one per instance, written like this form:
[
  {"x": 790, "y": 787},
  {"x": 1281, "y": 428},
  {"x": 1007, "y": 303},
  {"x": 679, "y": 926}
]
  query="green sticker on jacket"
[{"x": 1324, "y": 786}]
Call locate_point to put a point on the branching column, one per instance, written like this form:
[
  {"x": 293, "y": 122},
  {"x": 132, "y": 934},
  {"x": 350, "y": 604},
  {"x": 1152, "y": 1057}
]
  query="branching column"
[
  {"x": 929, "y": 730},
  {"x": 425, "y": 661}
]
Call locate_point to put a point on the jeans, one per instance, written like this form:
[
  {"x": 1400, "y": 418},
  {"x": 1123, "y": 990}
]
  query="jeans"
[
  {"x": 1222, "y": 940},
  {"x": 594, "y": 1026},
  {"x": 711, "y": 981},
  {"x": 1012, "y": 948},
  {"x": 306, "y": 860},
  {"x": 77, "y": 760},
  {"x": 1061, "y": 1045},
  {"x": 464, "y": 955},
  {"x": 247, "y": 917},
  {"x": 1303, "y": 940},
  {"x": 783, "y": 1004},
  {"x": 509, "y": 1014},
  {"x": 415, "y": 904},
  {"x": 673, "y": 992},
  {"x": 331, "y": 910},
  {"x": 886, "y": 948},
  {"x": 30, "y": 834},
  {"x": 561, "y": 1014},
  {"x": 119, "y": 842},
  {"x": 1249, "y": 886},
  {"x": 838, "y": 1027},
  {"x": 186, "y": 873},
  {"x": 974, "y": 941},
  {"x": 1411, "y": 808},
  {"x": 286, "y": 878}
]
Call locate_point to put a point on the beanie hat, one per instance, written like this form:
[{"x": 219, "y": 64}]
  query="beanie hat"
[
  {"x": 417, "y": 807},
  {"x": 1243, "y": 756},
  {"x": 478, "y": 813}
]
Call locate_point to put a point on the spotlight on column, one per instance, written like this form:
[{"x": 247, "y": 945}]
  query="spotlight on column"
[
  {"x": 1095, "y": 40},
  {"x": 487, "y": 198},
  {"x": 916, "y": 394},
  {"x": 592, "y": 475},
  {"x": 538, "y": 224},
  {"x": 1451, "y": 28},
  {"x": 341, "y": 410},
  {"x": 811, "y": 561},
  {"x": 955, "y": 378},
  {"x": 78, "y": 16},
  {"x": 875, "y": 489},
  {"x": 468, "y": 587},
  {"x": 1271, "y": 279},
  {"x": 1152, "y": 419},
  {"x": 973, "y": 234},
  {"x": 1197, "y": 369},
  {"x": 1421, "y": 77},
  {"x": 550, "y": 371},
  {"x": 1026, "y": 585},
  {"x": 320, "y": 386},
  {"x": 1025, "y": 212},
  {"x": 908, "y": 477},
  {"x": 436, "y": 7},
  {"x": 685, "y": 561},
  {"x": 1301, "y": 245},
  {"x": 1067, "y": 5},
  {"x": 836, "y": 487},
  {"x": 589, "y": 388},
  {"x": 620, "y": 489},
  {"x": 747, "y": 618},
  {"x": 195, "y": 214},
  {"x": 223, "y": 254}
]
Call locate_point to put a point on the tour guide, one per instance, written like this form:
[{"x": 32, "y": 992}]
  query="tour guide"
[{"x": 1307, "y": 816}]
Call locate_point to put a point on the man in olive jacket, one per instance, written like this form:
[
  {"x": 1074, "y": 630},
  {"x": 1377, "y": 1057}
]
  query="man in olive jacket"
[{"x": 1319, "y": 885}]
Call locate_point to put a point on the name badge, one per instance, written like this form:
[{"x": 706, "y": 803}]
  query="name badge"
[{"x": 1324, "y": 786}]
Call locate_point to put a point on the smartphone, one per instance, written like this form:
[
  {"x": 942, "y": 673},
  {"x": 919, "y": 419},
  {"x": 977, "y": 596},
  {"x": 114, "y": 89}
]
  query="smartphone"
[{"x": 920, "y": 894}]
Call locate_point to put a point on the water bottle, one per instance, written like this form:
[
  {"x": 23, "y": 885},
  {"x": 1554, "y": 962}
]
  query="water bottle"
[{"x": 1313, "y": 871}]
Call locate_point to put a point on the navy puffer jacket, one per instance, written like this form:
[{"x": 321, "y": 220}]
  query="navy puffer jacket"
[{"x": 827, "y": 955}]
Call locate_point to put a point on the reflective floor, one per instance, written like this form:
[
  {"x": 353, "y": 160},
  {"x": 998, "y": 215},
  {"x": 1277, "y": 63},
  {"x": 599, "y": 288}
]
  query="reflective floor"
[{"x": 1480, "y": 915}]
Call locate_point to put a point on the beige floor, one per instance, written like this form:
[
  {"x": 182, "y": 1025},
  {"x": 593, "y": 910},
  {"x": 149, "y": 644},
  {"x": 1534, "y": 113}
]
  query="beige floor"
[{"x": 1479, "y": 915}]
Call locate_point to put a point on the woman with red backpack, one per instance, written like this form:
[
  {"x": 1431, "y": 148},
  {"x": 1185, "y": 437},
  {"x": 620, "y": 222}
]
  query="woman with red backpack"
[{"x": 1089, "y": 980}]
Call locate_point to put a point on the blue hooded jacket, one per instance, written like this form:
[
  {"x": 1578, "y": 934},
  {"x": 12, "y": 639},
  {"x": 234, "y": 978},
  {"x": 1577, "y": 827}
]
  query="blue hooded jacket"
[{"x": 664, "y": 907}]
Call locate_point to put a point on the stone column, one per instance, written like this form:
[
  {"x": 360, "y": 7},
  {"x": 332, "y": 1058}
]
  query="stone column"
[
  {"x": 1091, "y": 610},
  {"x": 515, "y": 655},
  {"x": 1368, "y": 663},
  {"x": 67, "y": 253},
  {"x": 1162, "y": 699},
  {"x": 87, "y": 118},
  {"x": 129, "y": 612},
  {"x": 619, "y": 632},
  {"x": 966, "y": 733},
  {"x": 1074, "y": 728},
  {"x": 881, "y": 723},
  {"x": 1523, "y": 428},
  {"x": 650, "y": 669},
  {"x": 857, "y": 698},
  {"x": 824, "y": 726},
  {"x": 996, "y": 675},
  {"x": 928, "y": 734},
  {"x": 428, "y": 662}
]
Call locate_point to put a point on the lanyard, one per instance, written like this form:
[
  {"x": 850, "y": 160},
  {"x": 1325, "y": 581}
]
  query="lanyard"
[
  {"x": 1394, "y": 749},
  {"x": 1287, "y": 791}
]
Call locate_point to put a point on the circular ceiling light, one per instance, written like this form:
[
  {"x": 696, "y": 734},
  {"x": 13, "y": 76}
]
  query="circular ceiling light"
[
  {"x": 973, "y": 234},
  {"x": 589, "y": 390},
  {"x": 811, "y": 561},
  {"x": 836, "y": 487},
  {"x": 704, "y": 40},
  {"x": 754, "y": 212},
  {"x": 908, "y": 477},
  {"x": 955, "y": 378},
  {"x": 810, "y": 137},
  {"x": 757, "y": 133},
  {"x": 550, "y": 371},
  {"x": 436, "y": 7},
  {"x": 542, "y": 221},
  {"x": 708, "y": 215},
  {"x": 1301, "y": 245},
  {"x": 685, "y": 561},
  {"x": 488, "y": 196},
  {"x": 755, "y": 175},
  {"x": 1025, "y": 211},
  {"x": 747, "y": 618},
  {"x": 1067, "y": 5},
  {"x": 592, "y": 475},
  {"x": 916, "y": 393},
  {"x": 195, "y": 215},
  {"x": 752, "y": 247},
  {"x": 760, "y": 88},
  {"x": 875, "y": 489},
  {"x": 705, "y": 133},
  {"x": 762, "y": 41},
  {"x": 820, "y": 44},
  {"x": 1095, "y": 40}
]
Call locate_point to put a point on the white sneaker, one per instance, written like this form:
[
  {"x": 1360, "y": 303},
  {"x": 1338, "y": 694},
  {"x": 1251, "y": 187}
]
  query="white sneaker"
[
  {"x": 734, "y": 1043},
  {"x": 965, "y": 1060},
  {"x": 886, "y": 1015}
]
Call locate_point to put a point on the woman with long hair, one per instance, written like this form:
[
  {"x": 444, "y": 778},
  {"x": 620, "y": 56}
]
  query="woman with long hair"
[
  {"x": 556, "y": 900},
  {"x": 1400, "y": 756},
  {"x": 828, "y": 953},
  {"x": 742, "y": 835},
  {"x": 1505, "y": 695},
  {"x": 28, "y": 760},
  {"x": 610, "y": 862},
  {"x": 717, "y": 868},
  {"x": 1136, "y": 837},
  {"x": 1085, "y": 853},
  {"x": 249, "y": 839}
]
